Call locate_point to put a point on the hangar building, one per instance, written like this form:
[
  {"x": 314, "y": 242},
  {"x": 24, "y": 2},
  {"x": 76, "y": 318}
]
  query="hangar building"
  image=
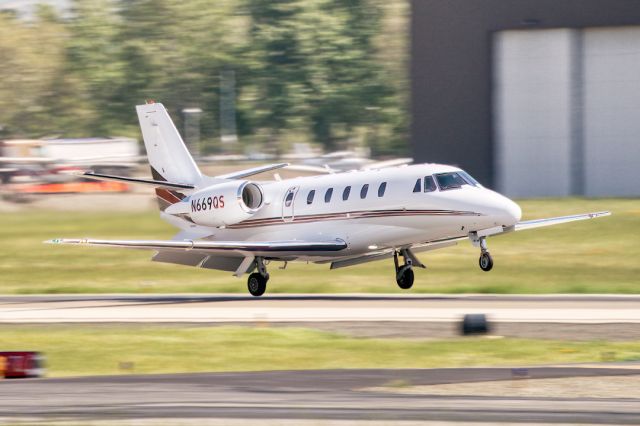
[{"x": 532, "y": 97}]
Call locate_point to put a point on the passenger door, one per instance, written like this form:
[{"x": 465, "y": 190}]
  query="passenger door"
[{"x": 288, "y": 204}]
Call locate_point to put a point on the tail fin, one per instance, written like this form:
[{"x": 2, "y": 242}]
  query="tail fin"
[{"x": 168, "y": 156}]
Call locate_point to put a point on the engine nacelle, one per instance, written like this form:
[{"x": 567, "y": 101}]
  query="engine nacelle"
[{"x": 226, "y": 203}]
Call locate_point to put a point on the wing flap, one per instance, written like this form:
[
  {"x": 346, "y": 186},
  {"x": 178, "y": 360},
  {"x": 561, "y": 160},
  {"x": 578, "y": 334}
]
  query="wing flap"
[
  {"x": 226, "y": 263},
  {"x": 388, "y": 253},
  {"x": 186, "y": 258}
]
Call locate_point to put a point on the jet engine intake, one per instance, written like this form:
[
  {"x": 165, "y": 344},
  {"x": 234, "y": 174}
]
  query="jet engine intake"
[{"x": 225, "y": 204}]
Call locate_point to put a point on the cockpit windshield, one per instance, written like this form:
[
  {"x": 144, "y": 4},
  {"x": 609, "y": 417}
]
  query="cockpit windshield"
[
  {"x": 451, "y": 180},
  {"x": 469, "y": 178}
]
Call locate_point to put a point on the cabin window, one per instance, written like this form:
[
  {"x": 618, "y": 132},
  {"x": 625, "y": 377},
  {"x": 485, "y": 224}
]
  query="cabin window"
[
  {"x": 450, "y": 181},
  {"x": 312, "y": 194},
  {"x": 418, "y": 186},
  {"x": 327, "y": 195},
  {"x": 345, "y": 193},
  {"x": 429, "y": 184},
  {"x": 364, "y": 190},
  {"x": 289, "y": 199},
  {"x": 382, "y": 188}
]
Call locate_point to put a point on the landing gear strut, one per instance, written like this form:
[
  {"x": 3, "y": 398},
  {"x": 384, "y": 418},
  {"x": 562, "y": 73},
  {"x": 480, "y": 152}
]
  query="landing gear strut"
[
  {"x": 257, "y": 282},
  {"x": 404, "y": 273},
  {"x": 485, "y": 261}
]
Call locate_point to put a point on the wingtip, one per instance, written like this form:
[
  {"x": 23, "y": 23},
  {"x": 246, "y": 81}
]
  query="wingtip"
[{"x": 64, "y": 241}]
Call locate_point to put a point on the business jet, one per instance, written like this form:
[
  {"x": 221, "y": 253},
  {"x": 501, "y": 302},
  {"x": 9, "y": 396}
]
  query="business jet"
[{"x": 232, "y": 223}]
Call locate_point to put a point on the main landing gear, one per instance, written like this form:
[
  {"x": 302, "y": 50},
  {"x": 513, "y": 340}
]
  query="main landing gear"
[
  {"x": 257, "y": 282},
  {"x": 485, "y": 261},
  {"x": 404, "y": 273}
]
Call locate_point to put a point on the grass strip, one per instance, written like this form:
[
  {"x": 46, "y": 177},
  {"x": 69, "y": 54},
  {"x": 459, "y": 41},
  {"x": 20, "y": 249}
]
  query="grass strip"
[{"x": 76, "y": 350}]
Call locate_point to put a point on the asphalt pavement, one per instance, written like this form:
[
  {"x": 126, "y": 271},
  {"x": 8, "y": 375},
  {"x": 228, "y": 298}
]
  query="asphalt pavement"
[{"x": 317, "y": 394}]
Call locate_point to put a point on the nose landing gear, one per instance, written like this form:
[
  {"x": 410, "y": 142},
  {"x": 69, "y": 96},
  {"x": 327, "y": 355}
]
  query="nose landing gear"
[
  {"x": 485, "y": 261},
  {"x": 257, "y": 282}
]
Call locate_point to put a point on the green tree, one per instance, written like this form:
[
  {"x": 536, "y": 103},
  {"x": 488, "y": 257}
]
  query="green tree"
[
  {"x": 174, "y": 51},
  {"x": 345, "y": 83},
  {"x": 31, "y": 59},
  {"x": 322, "y": 70},
  {"x": 314, "y": 68},
  {"x": 276, "y": 67}
]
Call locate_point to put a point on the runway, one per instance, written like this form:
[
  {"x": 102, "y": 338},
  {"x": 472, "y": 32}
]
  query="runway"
[
  {"x": 334, "y": 394},
  {"x": 233, "y": 308},
  {"x": 328, "y": 394}
]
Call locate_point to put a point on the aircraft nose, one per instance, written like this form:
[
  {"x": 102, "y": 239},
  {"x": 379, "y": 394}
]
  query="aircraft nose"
[{"x": 512, "y": 211}]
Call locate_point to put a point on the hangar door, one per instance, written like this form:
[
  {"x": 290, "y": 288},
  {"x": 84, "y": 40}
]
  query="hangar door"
[
  {"x": 532, "y": 111},
  {"x": 567, "y": 112},
  {"x": 612, "y": 111}
]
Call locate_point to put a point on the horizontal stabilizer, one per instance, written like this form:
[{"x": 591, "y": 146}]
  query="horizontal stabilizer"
[{"x": 149, "y": 182}]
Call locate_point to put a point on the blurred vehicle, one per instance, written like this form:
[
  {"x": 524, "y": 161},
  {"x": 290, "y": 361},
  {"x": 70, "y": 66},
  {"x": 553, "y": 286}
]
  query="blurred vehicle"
[
  {"x": 36, "y": 166},
  {"x": 230, "y": 223},
  {"x": 21, "y": 364}
]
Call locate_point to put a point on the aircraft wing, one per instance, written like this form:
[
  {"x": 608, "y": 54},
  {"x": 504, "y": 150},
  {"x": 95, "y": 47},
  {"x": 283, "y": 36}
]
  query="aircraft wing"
[
  {"x": 311, "y": 169},
  {"x": 535, "y": 223},
  {"x": 253, "y": 171},
  {"x": 241, "y": 248},
  {"x": 388, "y": 163},
  {"x": 538, "y": 223},
  {"x": 237, "y": 256},
  {"x": 452, "y": 241}
]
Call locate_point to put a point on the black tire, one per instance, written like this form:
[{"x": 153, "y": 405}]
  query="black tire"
[
  {"x": 257, "y": 284},
  {"x": 485, "y": 262},
  {"x": 405, "y": 278}
]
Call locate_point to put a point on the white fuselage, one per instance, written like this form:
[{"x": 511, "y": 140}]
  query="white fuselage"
[{"x": 398, "y": 216}]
